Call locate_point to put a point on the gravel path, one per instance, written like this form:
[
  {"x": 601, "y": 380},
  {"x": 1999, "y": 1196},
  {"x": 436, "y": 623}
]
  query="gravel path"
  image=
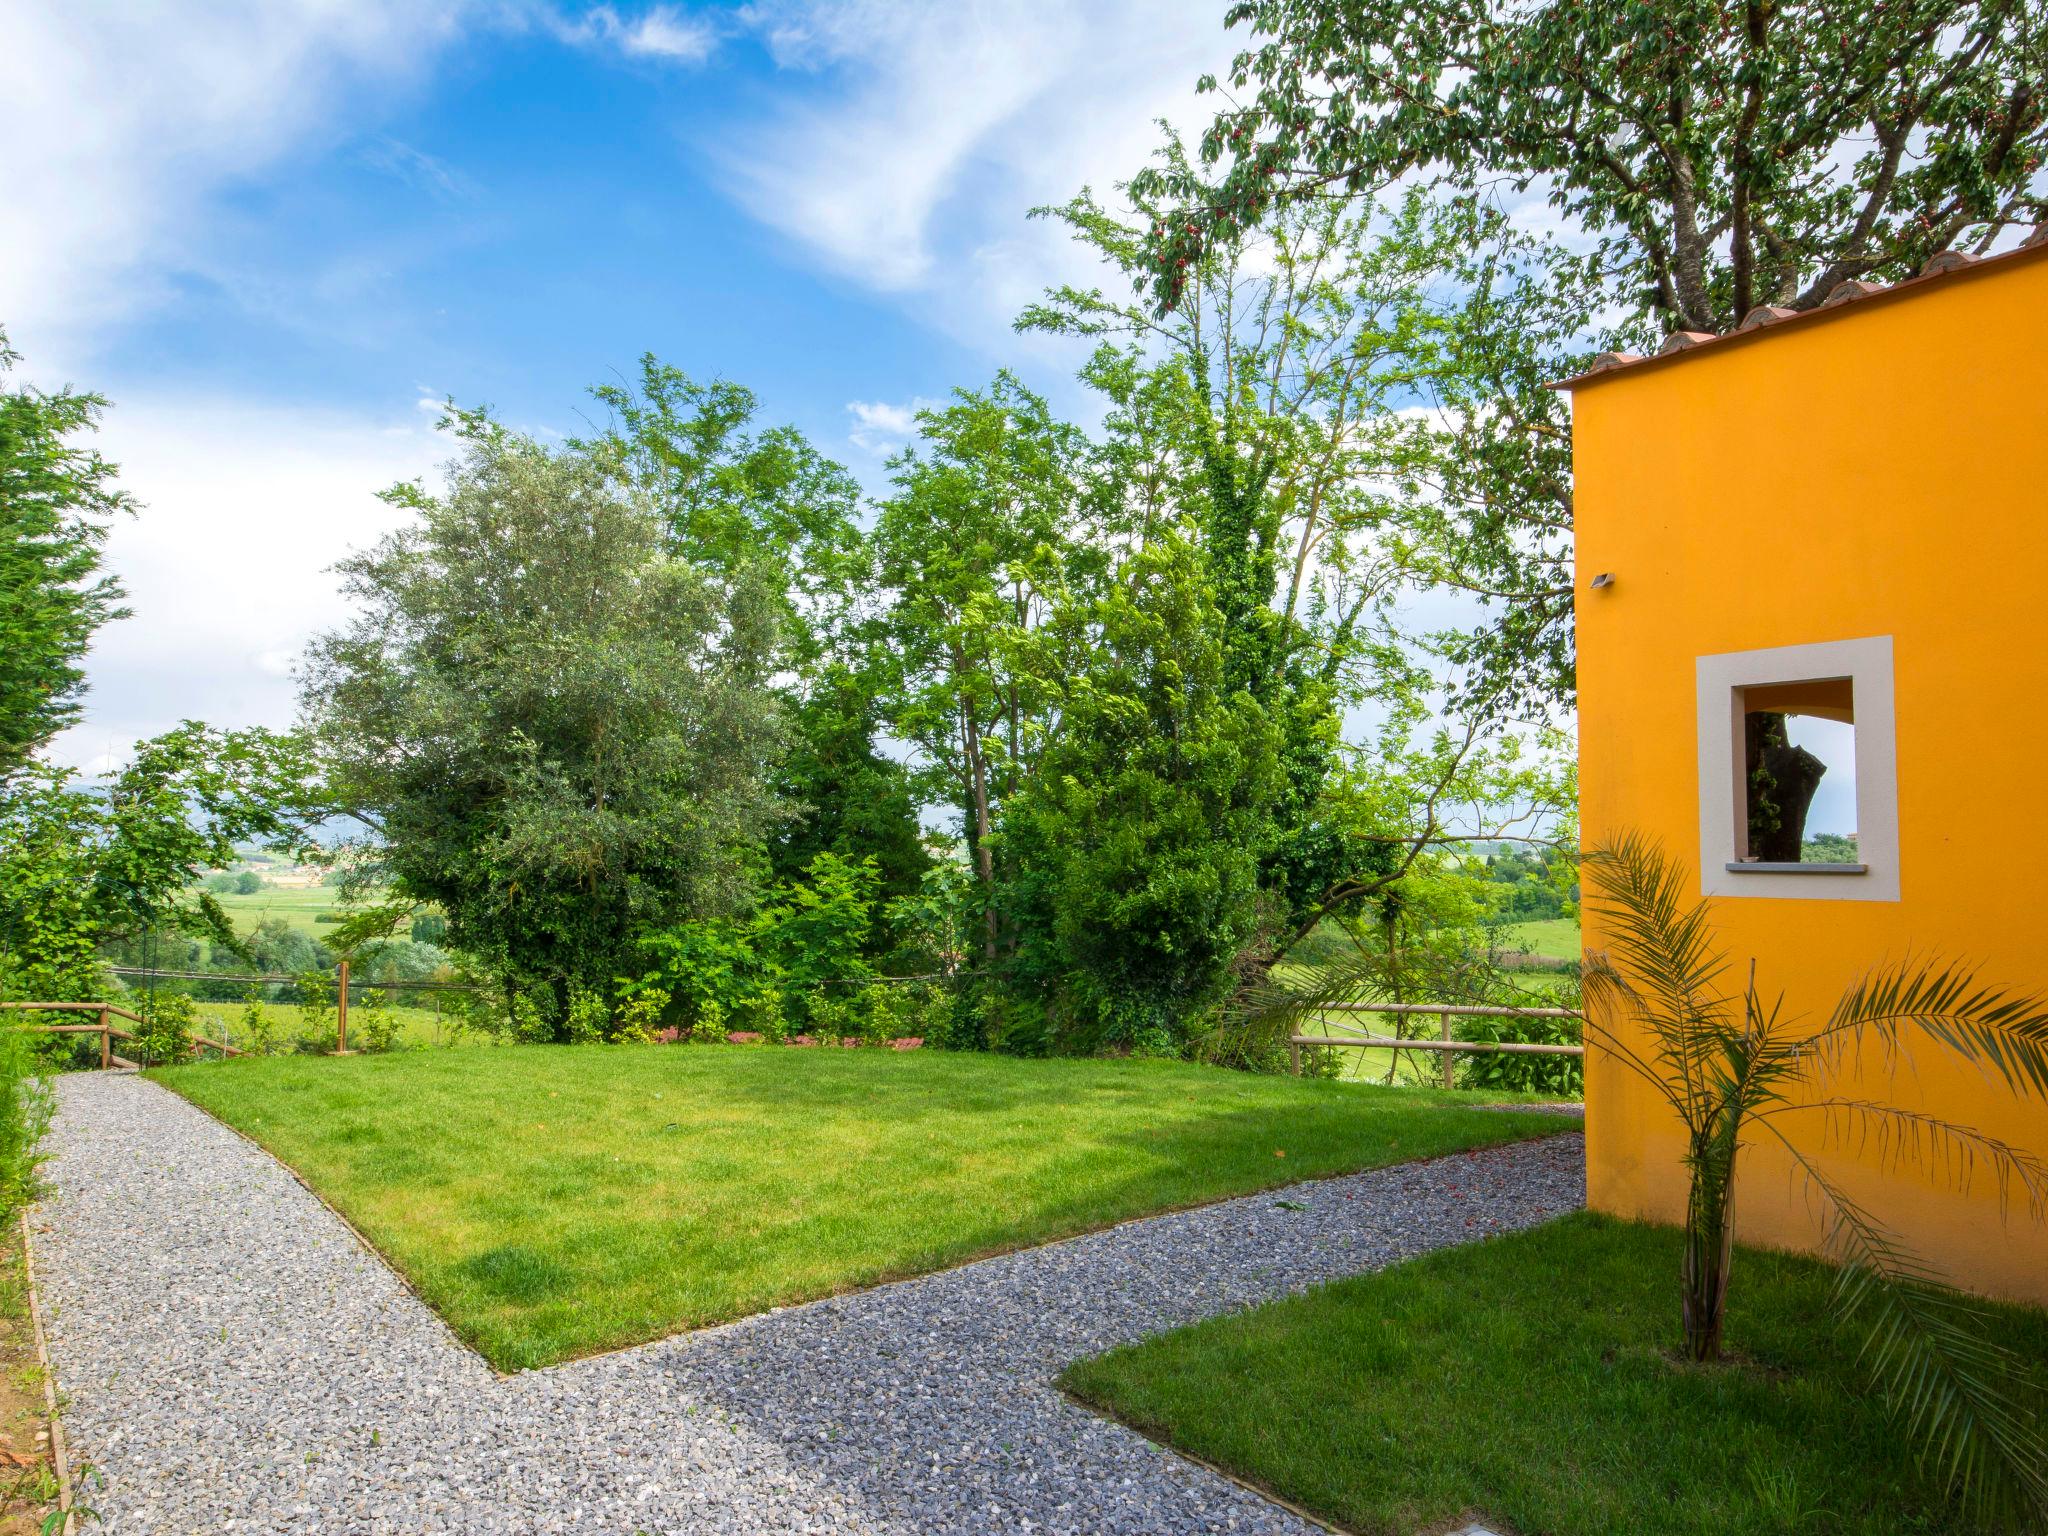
[{"x": 236, "y": 1362}]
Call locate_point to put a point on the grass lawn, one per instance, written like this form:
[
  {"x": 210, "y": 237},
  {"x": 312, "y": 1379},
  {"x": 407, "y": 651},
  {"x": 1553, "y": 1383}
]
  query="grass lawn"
[
  {"x": 552, "y": 1201},
  {"x": 1528, "y": 1379}
]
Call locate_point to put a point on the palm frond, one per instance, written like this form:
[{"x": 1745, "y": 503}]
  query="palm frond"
[
  {"x": 1938, "y": 1147},
  {"x": 1952, "y": 1388},
  {"x": 1659, "y": 939},
  {"x": 2002, "y": 1030},
  {"x": 1266, "y": 1014}
]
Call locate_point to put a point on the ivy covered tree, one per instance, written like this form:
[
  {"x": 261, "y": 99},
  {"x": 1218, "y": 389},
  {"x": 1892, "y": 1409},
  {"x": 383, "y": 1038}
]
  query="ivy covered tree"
[
  {"x": 1134, "y": 855},
  {"x": 58, "y": 499},
  {"x": 560, "y": 731},
  {"x": 987, "y": 524}
]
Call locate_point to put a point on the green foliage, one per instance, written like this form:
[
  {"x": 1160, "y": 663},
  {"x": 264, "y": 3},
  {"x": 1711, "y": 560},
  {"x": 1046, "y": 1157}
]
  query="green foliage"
[
  {"x": 796, "y": 965},
  {"x": 1696, "y": 158},
  {"x": 729, "y": 498},
  {"x": 1830, "y": 848},
  {"x": 258, "y": 1034},
  {"x": 82, "y": 866},
  {"x": 850, "y": 801},
  {"x": 1733, "y": 1068},
  {"x": 588, "y": 1018},
  {"x": 316, "y": 1007},
  {"x": 529, "y": 650},
  {"x": 1701, "y": 148},
  {"x": 164, "y": 1038},
  {"x": 1137, "y": 844},
  {"x": 26, "y": 1105},
  {"x": 372, "y": 1026},
  {"x": 57, "y": 502},
  {"x": 639, "y": 1016},
  {"x": 429, "y": 928}
]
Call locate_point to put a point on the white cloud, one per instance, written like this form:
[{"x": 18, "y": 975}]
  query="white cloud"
[
  {"x": 662, "y": 32},
  {"x": 246, "y": 508},
  {"x": 123, "y": 125},
  {"x": 934, "y": 125},
  {"x": 879, "y": 427}
]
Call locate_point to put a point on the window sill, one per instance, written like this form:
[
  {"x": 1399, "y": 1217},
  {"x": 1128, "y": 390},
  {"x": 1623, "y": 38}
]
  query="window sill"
[{"x": 1738, "y": 867}]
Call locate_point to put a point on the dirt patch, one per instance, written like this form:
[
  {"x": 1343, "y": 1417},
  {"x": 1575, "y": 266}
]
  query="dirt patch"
[{"x": 28, "y": 1473}]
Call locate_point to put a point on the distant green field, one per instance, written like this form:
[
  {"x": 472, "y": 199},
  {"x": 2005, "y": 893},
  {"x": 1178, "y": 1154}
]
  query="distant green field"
[
  {"x": 1555, "y": 938},
  {"x": 297, "y": 909}
]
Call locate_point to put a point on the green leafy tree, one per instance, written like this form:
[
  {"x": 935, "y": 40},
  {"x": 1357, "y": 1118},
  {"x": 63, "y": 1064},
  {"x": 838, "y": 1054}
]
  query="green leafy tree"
[
  {"x": 848, "y": 799},
  {"x": 1721, "y": 157},
  {"x": 1135, "y": 850},
  {"x": 560, "y": 732},
  {"x": 57, "y": 501},
  {"x": 1703, "y": 160},
  {"x": 1271, "y": 406},
  {"x": 85, "y": 865},
  {"x": 987, "y": 523},
  {"x": 731, "y": 498}
]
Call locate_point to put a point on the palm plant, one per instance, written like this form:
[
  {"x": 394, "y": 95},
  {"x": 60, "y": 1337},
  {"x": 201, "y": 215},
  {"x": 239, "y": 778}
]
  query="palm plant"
[{"x": 1735, "y": 1070}]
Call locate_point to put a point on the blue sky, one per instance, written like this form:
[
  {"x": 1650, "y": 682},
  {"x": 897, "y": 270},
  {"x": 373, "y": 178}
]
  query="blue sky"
[{"x": 276, "y": 233}]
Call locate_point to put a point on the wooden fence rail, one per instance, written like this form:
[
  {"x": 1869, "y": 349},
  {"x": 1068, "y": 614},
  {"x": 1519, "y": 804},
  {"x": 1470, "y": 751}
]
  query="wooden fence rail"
[
  {"x": 1447, "y": 1047},
  {"x": 107, "y": 1030}
]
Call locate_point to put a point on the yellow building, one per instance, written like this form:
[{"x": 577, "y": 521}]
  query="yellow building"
[{"x": 1822, "y": 542}]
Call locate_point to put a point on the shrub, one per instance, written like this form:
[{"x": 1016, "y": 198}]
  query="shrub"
[
  {"x": 532, "y": 1021},
  {"x": 25, "y": 1107},
  {"x": 588, "y": 1017},
  {"x": 372, "y": 1025},
  {"x": 1562, "y": 1076},
  {"x": 639, "y": 1016},
  {"x": 165, "y": 1038},
  {"x": 710, "y": 1028},
  {"x": 259, "y": 1028},
  {"x": 316, "y": 999}
]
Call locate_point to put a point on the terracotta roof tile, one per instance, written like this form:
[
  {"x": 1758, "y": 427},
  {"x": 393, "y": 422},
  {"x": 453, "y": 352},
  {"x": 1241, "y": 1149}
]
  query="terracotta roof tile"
[{"x": 1942, "y": 266}]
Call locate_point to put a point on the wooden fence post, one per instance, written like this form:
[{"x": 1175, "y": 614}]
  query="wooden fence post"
[
  {"x": 1294, "y": 1057},
  {"x": 106, "y": 1043},
  {"x": 1450, "y": 1057},
  {"x": 341, "y": 1012}
]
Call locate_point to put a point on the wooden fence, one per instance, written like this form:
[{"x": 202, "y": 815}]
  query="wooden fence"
[
  {"x": 1447, "y": 1047},
  {"x": 107, "y": 1030}
]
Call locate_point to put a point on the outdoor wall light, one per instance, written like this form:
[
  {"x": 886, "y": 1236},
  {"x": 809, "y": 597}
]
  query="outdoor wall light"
[{"x": 1604, "y": 579}]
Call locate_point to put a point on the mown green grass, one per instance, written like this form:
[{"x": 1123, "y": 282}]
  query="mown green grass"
[
  {"x": 1529, "y": 1380},
  {"x": 552, "y": 1201}
]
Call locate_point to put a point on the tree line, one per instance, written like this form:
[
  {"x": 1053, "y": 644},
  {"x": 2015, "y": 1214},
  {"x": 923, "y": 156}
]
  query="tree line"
[{"x": 1093, "y": 724}]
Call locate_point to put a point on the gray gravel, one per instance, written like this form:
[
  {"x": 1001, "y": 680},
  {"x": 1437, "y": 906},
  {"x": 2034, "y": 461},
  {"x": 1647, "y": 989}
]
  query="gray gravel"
[{"x": 235, "y": 1361}]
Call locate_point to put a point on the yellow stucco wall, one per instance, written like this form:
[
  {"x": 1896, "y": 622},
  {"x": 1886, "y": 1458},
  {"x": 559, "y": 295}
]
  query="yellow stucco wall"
[{"x": 1879, "y": 471}]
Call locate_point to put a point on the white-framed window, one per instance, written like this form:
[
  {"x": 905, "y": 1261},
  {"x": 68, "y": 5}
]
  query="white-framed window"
[{"x": 1798, "y": 772}]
